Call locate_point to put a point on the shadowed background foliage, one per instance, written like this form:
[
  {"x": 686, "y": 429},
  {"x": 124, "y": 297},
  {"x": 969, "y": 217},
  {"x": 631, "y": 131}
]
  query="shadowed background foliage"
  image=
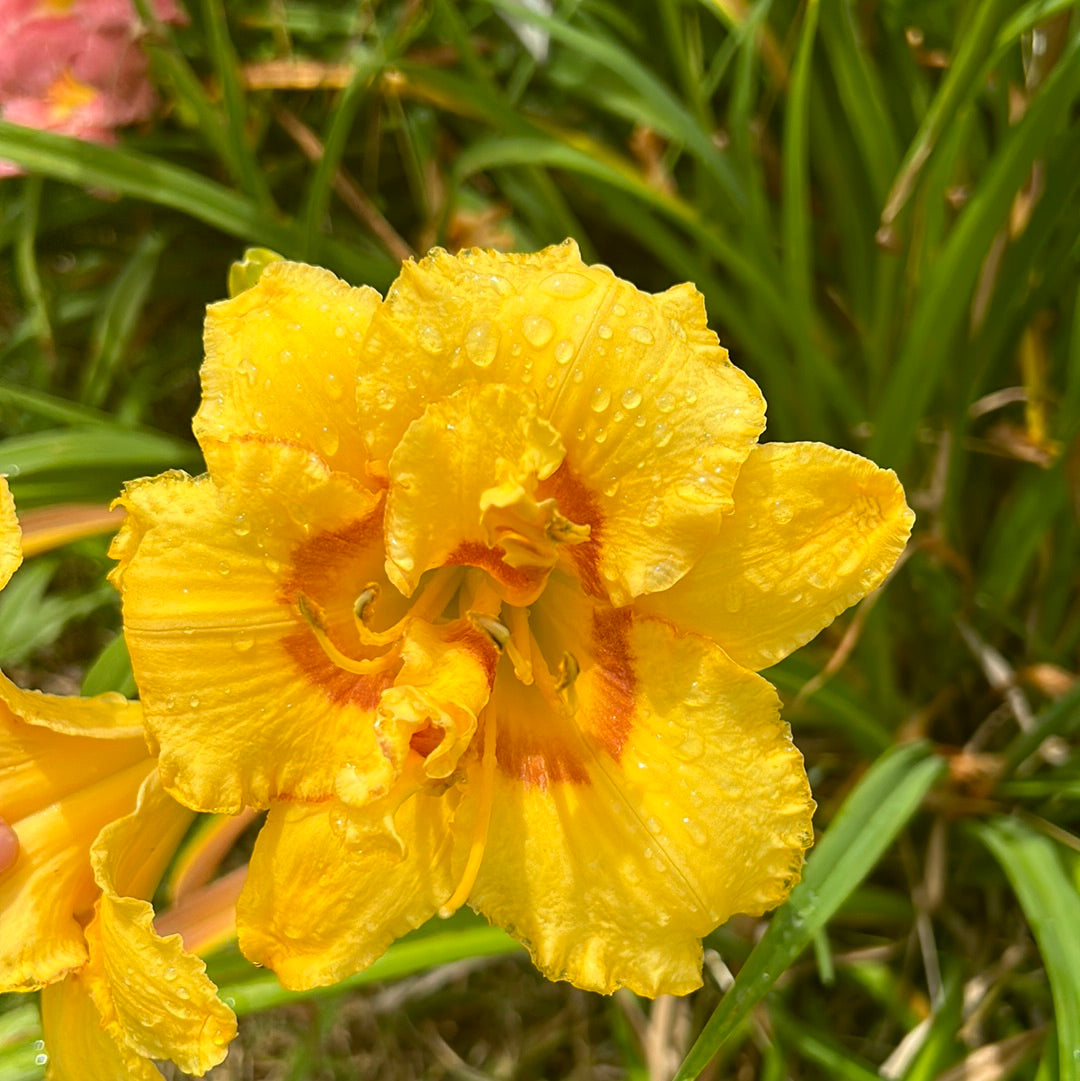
[{"x": 879, "y": 200}]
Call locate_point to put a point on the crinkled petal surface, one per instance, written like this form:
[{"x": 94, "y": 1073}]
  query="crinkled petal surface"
[
  {"x": 154, "y": 998},
  {"x": 281, "y": 359},
  {"x": 670, "y": 800},
  {"x": 315, "y": 911},
  {"x": 10, "y": 549},
  {"x": 655, "y": 419},
  {"x": 79, "y": 1047},
  {"x": 56, "y": 792},
  {"x": 483, "y": 438},
  {"x": 232, "y": 681},
  {"x": 814, "y": 529}
]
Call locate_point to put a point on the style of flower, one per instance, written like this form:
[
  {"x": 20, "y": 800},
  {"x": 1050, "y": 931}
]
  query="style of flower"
[
  {"x": 86, "y": 832},
  {"x": 75, "y": 66},
  {"x": 473, "y": 597}
]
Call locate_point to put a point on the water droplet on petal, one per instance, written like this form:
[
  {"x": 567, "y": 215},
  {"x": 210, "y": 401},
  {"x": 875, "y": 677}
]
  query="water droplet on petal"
[
  {"x": 600, "y": 400},
  {"x": 538, "y": 330},
  {"x": 782, "y": 512},
  {"x": 564, "y": 351},
  {"x": 604, "y": 331},
  {"x": 170, "y": 974},
  {"x": 224, "y": 568},
  {"x": 430, "y": 339},
  {"x": 641, "y": 334},
  {"x": 334, "y": 389},
  {"x": 328, "y": 441},
  {"x": 482, "y": 344},
  {"x": 243, "y": 642},
  {"x": 631, "y": 398},
  {"x": 193, "y": 701},
  {"x": 567, "y": 285},
  {"x": 665, "y": 402}
]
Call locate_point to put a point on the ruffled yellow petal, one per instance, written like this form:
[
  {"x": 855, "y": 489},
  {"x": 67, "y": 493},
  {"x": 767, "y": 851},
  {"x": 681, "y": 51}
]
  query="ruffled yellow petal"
[
  {"x": 655, "y": 420},
  {"x": 478, "y": 505},
  {"x": 79, "y": 1048},
  {"x": 154, "y": 998},
  {"x": 281, "y": 359},
  {"x": 315, "y": 912},
  {"x": 663, "y": 798},
  {"x": 56, "y": 793},
  {"x": 236, "y": 689},
  {"x": 814, "y": 530},
  {"x": 10, "y": 548}
]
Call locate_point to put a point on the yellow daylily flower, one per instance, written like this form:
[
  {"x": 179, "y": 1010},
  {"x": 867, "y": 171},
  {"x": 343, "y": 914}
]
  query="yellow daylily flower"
[
  {"x": 473, "y": 598},
  {"x": 75, "y": 861}
]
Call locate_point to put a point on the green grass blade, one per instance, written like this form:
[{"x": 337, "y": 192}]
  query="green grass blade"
[
  {"x": 870, "y": 818},
  {"x": 860, "y": 95},
  {"x": 1051, "y": 903},
  {"x": 250, "y": 175},
  {"x": 116, "y": 323},
  {"x": 942, "y": 299},
  {"x": 93, "y": 447},
  {"x": 666, "y": 112},
  {"x": 317, "y": 200},
  {"x": 142, "y": 177},
  {"x": 965, "y": 74}
]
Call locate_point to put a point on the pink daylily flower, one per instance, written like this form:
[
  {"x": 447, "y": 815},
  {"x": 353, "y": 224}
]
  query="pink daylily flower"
[{"x": 75, "y": 66}]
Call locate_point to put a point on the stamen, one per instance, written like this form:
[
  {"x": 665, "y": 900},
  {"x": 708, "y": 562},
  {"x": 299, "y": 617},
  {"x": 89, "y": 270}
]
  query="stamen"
[
  {"x": 546, "y": 683},
  {"x": 568, "y": 672},
  {"x": 519, "y": 649},
  {"x": 499, "y": 634},
  {"x": 345, "y": 663},
  {"x": 427, "y": 606},
  {"x": 483, "y": 821}
]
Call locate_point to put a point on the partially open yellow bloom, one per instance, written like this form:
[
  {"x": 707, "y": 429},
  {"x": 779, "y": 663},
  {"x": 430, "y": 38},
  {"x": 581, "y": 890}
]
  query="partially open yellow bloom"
[
  {"x": 473, "y": 597},
  {"x": 86, "y": 833}
]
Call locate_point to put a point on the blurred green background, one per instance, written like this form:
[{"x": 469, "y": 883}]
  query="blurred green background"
[{"x": 879, "y": 200}]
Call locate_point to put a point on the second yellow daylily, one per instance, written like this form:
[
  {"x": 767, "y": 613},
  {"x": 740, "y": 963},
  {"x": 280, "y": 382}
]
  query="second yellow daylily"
[{"x": 87, "y": 832}]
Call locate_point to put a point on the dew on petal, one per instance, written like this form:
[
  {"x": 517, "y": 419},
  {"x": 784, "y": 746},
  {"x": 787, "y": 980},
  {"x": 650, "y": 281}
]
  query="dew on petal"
[
  {"x": 430, "y": 339},
  {"x": 631, "y": 398},
  {"x": 600, "y": 400},
  {"x": 482, "y": 344},
  {"x": 538, "y": 330},
  {"x": 564, "y": 351},
  {"x": 567, "y": 285},
  {"x": 641, "y": 334}
]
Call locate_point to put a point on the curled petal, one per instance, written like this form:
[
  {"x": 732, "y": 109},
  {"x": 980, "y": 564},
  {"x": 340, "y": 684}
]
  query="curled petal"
[
  {"x": 813, "y": 531},
  {"x": 56, "y": 792},
  {"x": 489, "y": 441},
  {"x": 315, "y": 911},
  {"x": 153, "y": 997}
]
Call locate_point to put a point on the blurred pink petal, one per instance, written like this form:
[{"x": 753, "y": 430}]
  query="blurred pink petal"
[{"x": 75, "y": 66}]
